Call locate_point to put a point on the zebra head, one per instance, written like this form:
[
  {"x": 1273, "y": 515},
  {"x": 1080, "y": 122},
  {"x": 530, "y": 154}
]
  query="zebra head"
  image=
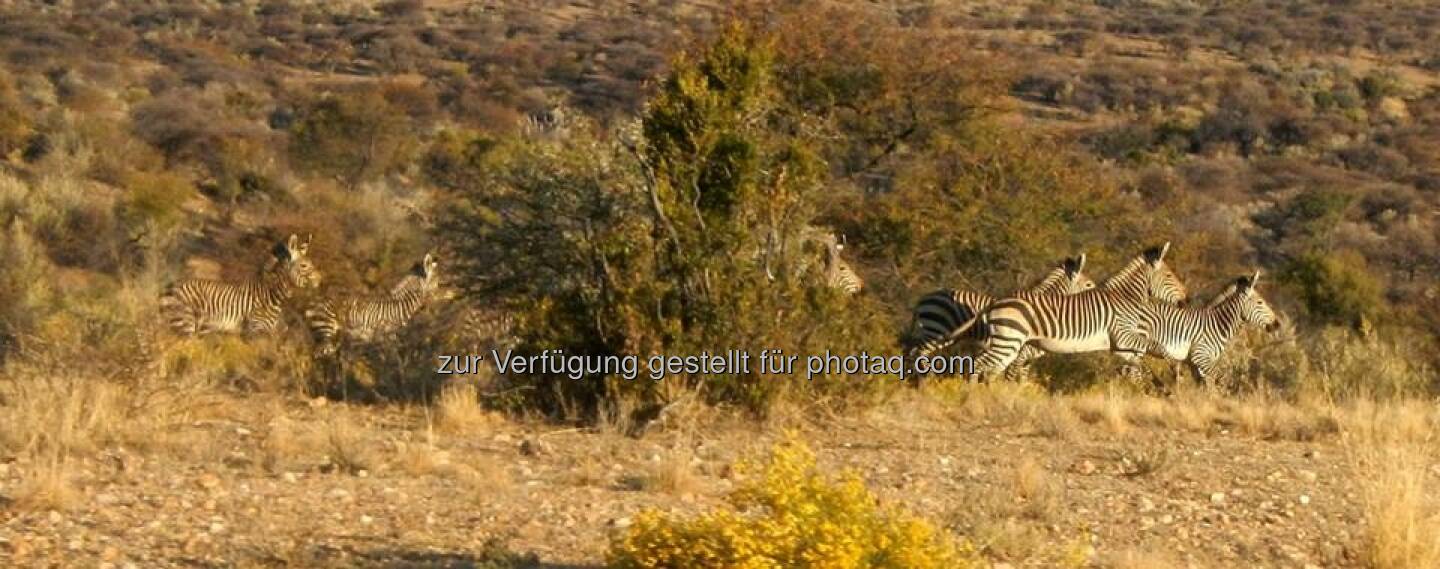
[
  {"x": 1253, "y": 307},
  {"x": 426, "y": 273},
  {"x": 1163, "y": 284},
  {"x": 1075, "y": 279},
  {"x": 1147, "y": 276},
  {"x": 294, "y": 262}
]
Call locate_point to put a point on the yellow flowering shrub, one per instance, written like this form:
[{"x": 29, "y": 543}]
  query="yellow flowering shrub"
[{"x": 789, "y": 515}]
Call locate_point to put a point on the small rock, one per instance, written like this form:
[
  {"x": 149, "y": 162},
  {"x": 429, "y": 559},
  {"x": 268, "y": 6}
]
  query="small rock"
[
  {"x": 242, "y": 431},
  {"x": 367, "y": 520},
  {"x": 945, "y": 461},
  {"x": 217, "y": 527},
  {"x": 319, "y": 402},
  {"x": 1217, "y": 498},
  {"x": 291, "y": 477},
  {"x": 362, "y": 473},
  {"x": 55, "y": 517},
  {"x": 1304, "y": 499},
  {"x": 1085, "y": 467},
  {"x": 621, "y": 523},
  {"x": 209, "y": 481},
  {"x": 533, "y": 447}
]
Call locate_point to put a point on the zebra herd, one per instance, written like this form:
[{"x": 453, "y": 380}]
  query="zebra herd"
[
  {"x": 1137, "y": 311},
  {"x": 255, "y": 306}
]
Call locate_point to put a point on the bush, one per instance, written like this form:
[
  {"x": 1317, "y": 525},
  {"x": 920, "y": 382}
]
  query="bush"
[
  {"x": 790, "y": 515},
  {"x": 663, "y": 247},
  {"x": 352, "y": 136},
  {"x": 1335, "y": 288}
]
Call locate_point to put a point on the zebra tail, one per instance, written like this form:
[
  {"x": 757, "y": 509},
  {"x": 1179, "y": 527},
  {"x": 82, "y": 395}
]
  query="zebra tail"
[{"x": 963, "y": 328}]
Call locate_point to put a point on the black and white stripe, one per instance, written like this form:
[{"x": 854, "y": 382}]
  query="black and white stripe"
[
  {"x": 1111, "y": 317},
  {"x": 939, "y": 313},
  {"x": 1199, "y": 336},
  {"x": 839, "y": 275},
  {"x": 366, "y": 319},
  {"x": 203, "y": 306}
]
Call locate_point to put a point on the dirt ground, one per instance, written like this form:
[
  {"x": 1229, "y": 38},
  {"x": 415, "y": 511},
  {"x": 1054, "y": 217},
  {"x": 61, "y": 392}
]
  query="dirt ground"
[{"x": 288, "y": 482}]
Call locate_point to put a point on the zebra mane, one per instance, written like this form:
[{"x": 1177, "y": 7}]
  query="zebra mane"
[
  {"x": 1224, "y": 295},
  {"x": 1129, "y": 275}
]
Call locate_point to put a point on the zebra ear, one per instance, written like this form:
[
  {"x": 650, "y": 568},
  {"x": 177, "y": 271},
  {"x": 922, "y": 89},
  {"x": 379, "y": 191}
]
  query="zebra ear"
[
  {"x": 429, "y": 264},
  {"x": 1156, "y": 254},
  {"x": 305, "y": 245},
  {"x": 1244, "y": 284},
  {"x": 1072, "y": 265},
  {"x": 1255, "y": 278},
  {"x": 284, "y": 250}
]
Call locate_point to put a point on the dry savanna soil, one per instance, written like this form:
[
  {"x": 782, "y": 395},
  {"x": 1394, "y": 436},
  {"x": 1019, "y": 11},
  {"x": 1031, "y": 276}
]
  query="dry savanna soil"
[{"x": 1031, "y": 479}]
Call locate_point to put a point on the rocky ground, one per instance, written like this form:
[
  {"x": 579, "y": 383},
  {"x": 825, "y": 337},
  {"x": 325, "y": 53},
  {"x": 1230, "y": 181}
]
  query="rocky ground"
[{"x": 312, "y": 483}]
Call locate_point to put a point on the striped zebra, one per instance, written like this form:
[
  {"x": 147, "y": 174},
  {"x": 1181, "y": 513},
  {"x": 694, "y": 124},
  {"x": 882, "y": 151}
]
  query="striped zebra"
[
  {"x": 1199, "y": 336},
  {"x": 1111, "y": 317},
  {"x": 203, "y": 306},
  {"x": 939, "y": 313},
  {"x": 839, "y": 275},
  {"x": 366, "y": 319}
]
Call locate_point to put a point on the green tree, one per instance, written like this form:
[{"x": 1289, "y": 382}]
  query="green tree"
[{"x": 1335, "y": 288}]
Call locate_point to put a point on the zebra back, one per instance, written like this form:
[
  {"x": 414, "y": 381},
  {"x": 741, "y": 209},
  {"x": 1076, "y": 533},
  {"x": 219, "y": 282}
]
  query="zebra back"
[{"x": 937, "y": 314}]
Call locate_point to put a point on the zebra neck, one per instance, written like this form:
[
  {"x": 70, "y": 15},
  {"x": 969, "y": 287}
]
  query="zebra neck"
[
  {"x": 1053, "y": 283},
  {"x": 1225, "y": 318},
  {"x": 274, "y": 288},
  {"x": 1129, "y": 281}
]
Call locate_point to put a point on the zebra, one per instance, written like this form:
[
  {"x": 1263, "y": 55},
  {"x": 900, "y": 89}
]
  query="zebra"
[
  {"x": 1110, "y": 317},
  {"x": 838, "y": 273},
  {"x": 937, "y": 314},
  {"x": 203, "y": 306},
  {"x": 1199, "y": 336},
  {"x": 365, "y": 319}
]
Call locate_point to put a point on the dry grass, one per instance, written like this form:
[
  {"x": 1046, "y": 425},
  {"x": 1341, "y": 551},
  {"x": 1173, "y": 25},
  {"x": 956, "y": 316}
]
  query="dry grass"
[
  {"x": 1402, "y": 513},
  {"x": 1106, "y": 408},
  {"x": 674, "y": 473},
  {"x": 1056, "y": 420},
  {"x": 49, "y": 485},
  {"x": 1038, "y": 492},
  {"x": 346, "y": 443},
  {"x": 458, "y": 410},
  {"x": 1139, "y": 559}
]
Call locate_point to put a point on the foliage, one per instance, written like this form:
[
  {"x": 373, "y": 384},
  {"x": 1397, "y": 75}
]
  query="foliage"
[
  {"x": 1335, "y": 288},
  {"x": 664, "y": 244},
  {"x": 352, "y": 136},
  {"x": 790, "y": 515}
]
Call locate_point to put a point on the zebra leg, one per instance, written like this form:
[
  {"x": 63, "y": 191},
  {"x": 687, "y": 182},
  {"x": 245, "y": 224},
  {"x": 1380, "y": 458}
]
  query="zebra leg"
[
  {"x": 1019, "y": 370},
  {"x": 1130, "y": 347},
  {"x": 996, "y": 357}
]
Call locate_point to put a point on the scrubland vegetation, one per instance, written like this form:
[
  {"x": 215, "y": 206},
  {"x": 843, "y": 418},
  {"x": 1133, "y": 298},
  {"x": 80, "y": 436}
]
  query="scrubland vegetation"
[{"x": 642, "y": 178}]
